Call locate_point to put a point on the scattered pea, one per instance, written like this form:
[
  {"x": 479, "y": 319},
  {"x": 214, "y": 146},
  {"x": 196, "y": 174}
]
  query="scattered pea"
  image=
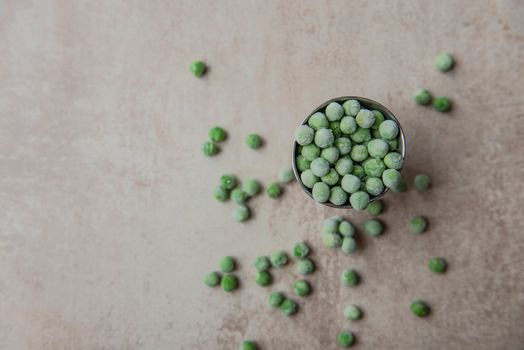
[
  {"x": 437, "y": 265},
  {"x": 419, "y": 308},
  {"x": 273, "y": 190},
  {"x": 220, "y": 194},
  {"x": 240, "y": 213},
  {"x": 228, "y": 182},
  {"x": 263, "y": 278},
  {"x": 253, "y": 141},
  {"x": 345, "y": 339},
  {"x": 331, "y": 240},
  {"x": 286, "y": 175},
  {"x": 417, "y": 225},
  {"x": 352, "y": 312},
  {"x": 275, "y": 299},
  {"x": 349, "y": 278},
  {"x": 305, "y": 266},
  {"x": 248, "y": 345},
  {"x": 212, "y": 279},
  {"x": 288, "y": 307},
  {"x": 227, "y": 264},
  {"x": 238, "y": 196},
  {"x": 262, "y": 263},
  {"x": 422, "y": 96},
  {"x": 300, "y": 250},
  {"x": 304, "y": 135},
  {"x": 251, "y": 187},
  {"x": 209, "y": 149},
  {"x": 197, "y": 68},
  {"x": 330, "y": 225},
  {"x": 229, "y": 283},
  {"x": 375, "y": 208},
  {"x": 444, "y": 62},
  {"x": 442, "y": 104},
  {"x": 349, "y": 245},
  {"x": 346, "y": 229},
  {"x": 302, "y": 288},
  {"x": 422, "y": 182},
  {"x": 373, "y": 227},
  {"x": 278, "y": 259},
  {"x": 217, "y": 134}
]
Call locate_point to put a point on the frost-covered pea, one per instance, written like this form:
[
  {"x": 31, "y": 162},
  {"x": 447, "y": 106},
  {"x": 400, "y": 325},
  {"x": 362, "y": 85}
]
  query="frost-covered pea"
[
  {"x": 228, "y": 181},
  {"x": 442, "y": 104},
  {"x": 393, "y": 144},
  {"x": 285, "y": 175},
  {"x": 422, "y": 182},
  {"x": 217, "y": 134},
  {"x": 308, "y": 178},
  {"x": 263, "y": 278},
  {"x": 348, "y": 125},
  {"x": 338, "y": 196},
  {"x": 229, "y": 283},
  {"x": 320, "y": 167},
  {"x": 346, "y": 229},
  {"x": 352, "y": 312},
  {"x": 419, "y": 308},
  {"x": 393, "y": 160},
  {"x": 197, "y": 68},
  {"x": 359, "y": 153},
  {"x": 418, "y": 225},
  {"x": 334, "y": 111},
  {"x": 349, "y": 245},
  {"x": 373, "y": 227},
  {"x": 310, "y": 152},
  {"x": 251, "y": 187},
  {"x": 437, "y": 265},
  {"x": 302, "y": 288},
  {"x": 330, "y": 225},
  {"x": 220, "y": 194},
  {"x": 227, "y": 264},
  {"x": 365, "y": 118},
  {"x": 300, "y": 250},
  {"x": 262, "y": 263},
  {"x": 240, "y": 213},
  {"x": 443, "y": 62},
  {"x": 350, "y": 183},
  {"x": 374, "y": 167},
  {"x": 321, "y": 192},
  {"x": 324, "y": 138},
  {"x": 304, "y": 135},
  {"x": 288, "y": 307},
  {"x": 351, "y": 107},
  {"x": 344, "y": 166},
  {"x": 302, "y": 163},
  {"x": 378, "y": 148},
  {"x": 391, "y": 178},
  {"x": 330, "y": 154},
  {"x": 318, "y": 121},
  {"x": 359, "y": 200},
  {"x": 248, "y": 345},
  {"x": 422, "y": 96},
  {"x": 360, "y": 135},
  {"x": 374, "y": 186},
  {"x": 335, "y": 127},
  {"x": 331, "y": 240},
  {"x": 253, "y": 141},
  {"x": 331, "y": 178},
  {"x": 343, "y": 145},
  {"x": 345, "y": 339},
  {"x": 358, "y": 171},
  {"x": 305, "y": 267},
  {"x": 238, "y": 196},
  {"x": 273, "y": 190},
  {"x": 212, "y": 279},
  {"x": 375, "y": 133},
  {"x": 209, "y": 149},
  {"x": 278, "y": 258},
  {"x": 375, "y": 208},
  {"x": 349, "y": 278},
  {"x": 388, "y": 129},
  {"x": 274, "y": 299},
  {"x": 379, "y": 118}
]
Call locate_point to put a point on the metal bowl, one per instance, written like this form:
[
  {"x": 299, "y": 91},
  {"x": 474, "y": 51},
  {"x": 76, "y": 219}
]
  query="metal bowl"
[{"x": 366, "y": 103}]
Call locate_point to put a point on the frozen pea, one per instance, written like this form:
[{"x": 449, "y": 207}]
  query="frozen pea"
[
  {"x": 263, "y": 278},
  {"x": 352, "y": 312},
  {"x": 391, "y": 178},
  {"x": 388, "y": 129},
  {"x": 422, "y": 96},
  {"x": 343, "y": 145},
  {"x": 302, "y": 163},
  {"x": 378, "y": 148},
  {"x": 437, "y": 265},
  {"x": 273, "y": 190},
  {"x": 393, "y": 144},
  {"x": 288, "y": 307},
  {"x": 375, "y": 134},
  {"x": 320, "y": 192},
  {"x": 305, "y": 266},
  {"x": 351, "y": 107},
  {"x": 331, "y": 178},
  {"x": 308, "y": 178},
  {"x": 300, "y": 250},
  {"x": 419, "y": 308},
  {"x": 365, "y": 118},
  {"x": 286, "y": 175},
  {"x": 379, "y": 118},
  {"x": 275, "y": 299},
  {"x": 227, "y": 264},
  {"x": 209, "y": 149},
  {"x": 331, "y": 240},
  {"x": 229, "y": 283},
  {"x": 335, "y": 127},
  {"x": 197, "y": 68},
  {"x": 338, "y": 196},
  {"x": 350, "y": 183},
  {"x": 334, "y": 111},
  {"x": 253, "y": 141},
  {"x": 442, "y": 104},
  {"x": 401, "y": 187},
  {"x": 374, "y": 186},
  {"x": 217, "y": 134},
  {"x": 262, "y": 263},
  {"x": 304, "y": 135},
  {"x": 417, "y": 225},
  {"x": 220, "y": 194},
  {"x": 344, "y": 166},
  {"x": 375, "y": 208},
  {"x": 278, "y": 258},
  {"x": 349, "y": 245},
  {"x": 358, "y": 171},
  {"x": 251, "y": 187},
  {"x": 212, "y": 279},
  {"x": 228, "y": 181},
  {"x": 346, "y": 229},
  {"x": 330, "y": 225},
  {"x": 240, "y": 213},
  {"x": 374, "y": 167},
  {"x": 319, "y": 167},
  {"x": 422, "y": 182},
  {"x": 345, "y": 339},
  {"x": 348, "y": 125},
  {"x": 349, "y": 278},
  {"x": 318, "y": 121},
  {"x": 324, "y": 138},
  {"x": 393, "y": 160},
  {"x": 444, "y": 62},
  {"x": 310, "y": 152},
  {"x": 302, "y": 288},
  {"x": 330, "y": 154},
  {"x": 238, "y": 196},
  {"x": 361, "y": 135},
  {"x": 359, "y": 200},
  {"x": 373, "y": 227},
  {"x": 358, "y": 153},
  {"x": 248, "y": 345}
]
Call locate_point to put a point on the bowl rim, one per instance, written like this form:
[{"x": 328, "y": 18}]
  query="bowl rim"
[{"x": 366, "y": 102}]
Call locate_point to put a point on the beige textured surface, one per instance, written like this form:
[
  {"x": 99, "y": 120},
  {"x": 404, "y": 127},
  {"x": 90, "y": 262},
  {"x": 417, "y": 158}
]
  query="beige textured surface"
[{"x": 106, "y": 220}]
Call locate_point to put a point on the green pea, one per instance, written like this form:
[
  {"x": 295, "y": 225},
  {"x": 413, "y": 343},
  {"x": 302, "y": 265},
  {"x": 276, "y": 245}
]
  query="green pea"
[
  {"x": 251, "y": 187},
  {"x": 365, "y": 118},
  {"x": 220, "y": 194},
  {"x": 344, "y": 166},
  {"x": 373, "y": 227},
  {"x": 209, "y": 149},
  {"x": 217, "y": 134},
  {"x": 349, "y": 245},
  {"x": 351, "y": 107},
  {"x": 197, "y": 68},
  {"x": 227, "y": 264},
  {"x": 331, "y": 240},
  {"x": 330, "y": 225},
  {"x": 318, "y": 121},
  {"x": 330, "y": 154},
  {"x": 393, "y": 160},
  {"x": 331, "y": 178},
  {"x": 238, "y": 196},
  {"x": 442, "y": 104},
  {"x": 288, "y": 307},
  {"x": 422, "y": 96},
  {"x": 310, "y": 152},
  {"x": 273, "y": 190},
  {"x": 379, "y": 118},
  {"x": 422, "y": 182},
  {"x": 305, "y": 266},
  {"x": 419, "y": 308},
  {"x": 335, "y": 128},
  {"x": 360, "y": 135},
  {"x": 375, "y": 208},
  {"x": 358, "y": 153},
  {"x": 253, "y": 141},
  {"x": 377, "y": 148},
  {"x": 348, "y": 125},
  {"x": 359, "y": 200},
  {"x": 302, "y": 288},
  {"x": 324, "y": 138},
  {"x": 349, "y": 278},
  {"x": 302, "y": 163},
  {"x": 346, "y": 229},
  {"x": 275, "y": 299},
  {"x": 350, "y": 183},
  {"x": 417, "y": 225},
  {"x": 240, "y": 213},
  {"x": 374, "y": 186},
  {"x": 345, "y": 339},
  {"x": 308, "y": 178},
  {"x": 278, "y": 259},
  {"x": 437, "y": 265},
  {"x": 212, "y": 279},
  {"x": 262, "y": 263},
  {"x": 248, "y": 345},
  {"x": 352, "y": 312},
  {"x": 321, "y": 192},
  {"x": 228, "y": 181},
  {"x": 334, "y": 111},
  {"x": 388, "y": 129},
  {"x": 391, "y": 178},
  {"x": 338, "y": 196},
  {"x": 444, "y": 62},
  {"x": 300, "y": 250},
  {"x": 263, "y": 278},
  {"x": 374, "y": 167},
  {"x": 358, "y": 171},
  {"x": 229, "y": 283},
  {"x": 304, "y": 135}
]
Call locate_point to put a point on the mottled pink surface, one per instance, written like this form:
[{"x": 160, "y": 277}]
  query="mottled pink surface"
[{"x": 107, "y": 224}]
